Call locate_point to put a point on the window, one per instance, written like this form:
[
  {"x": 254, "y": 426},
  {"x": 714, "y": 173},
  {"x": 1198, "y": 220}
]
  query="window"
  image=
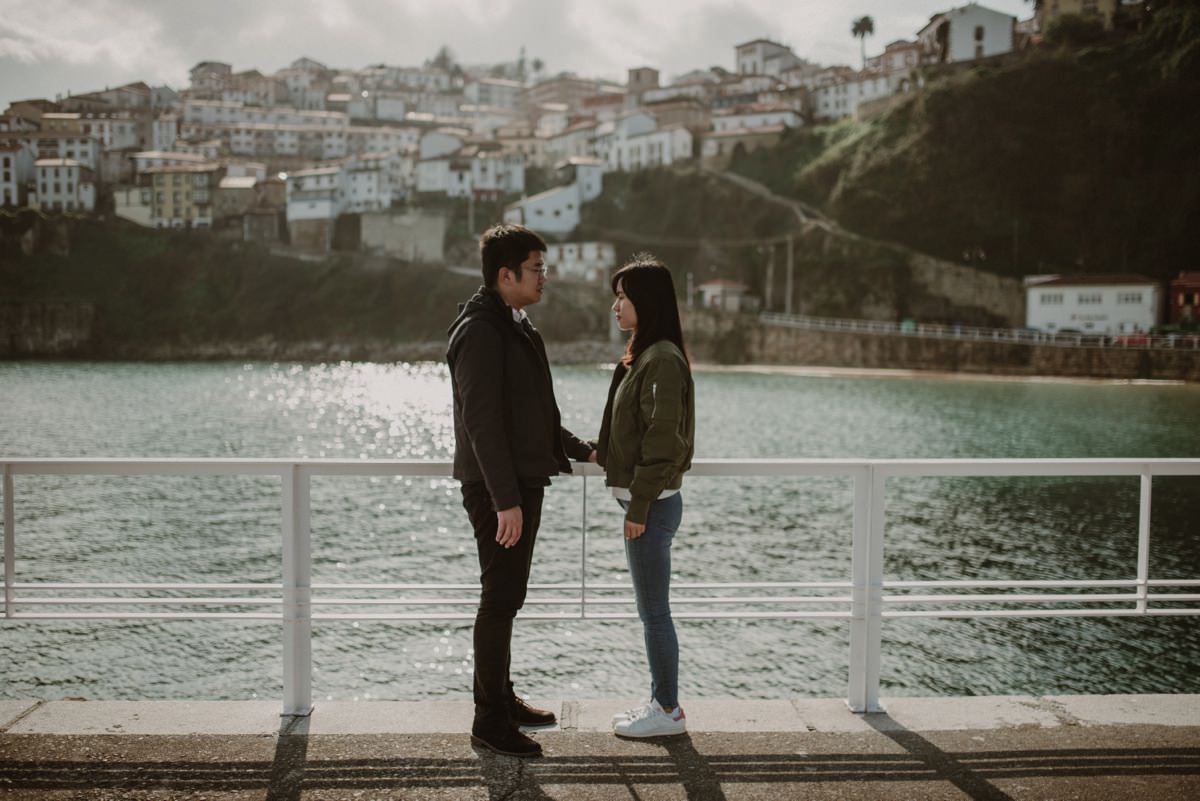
[
  {"x": 1090, "y": 298},
  {"x": 1129, "y": 297},
  {"x": 1052, "y": 298},
  {"x": 979, "y": 33}
]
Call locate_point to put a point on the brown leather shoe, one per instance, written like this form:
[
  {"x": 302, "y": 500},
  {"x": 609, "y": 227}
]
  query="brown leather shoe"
[
  {"x": 523, "y": 714},
  {"x": 509, "y": 742}
]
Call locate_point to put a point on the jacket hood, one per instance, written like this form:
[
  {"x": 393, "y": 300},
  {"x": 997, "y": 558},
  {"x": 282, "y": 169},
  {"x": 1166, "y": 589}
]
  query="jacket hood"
[{"x": 484, "y": 301}]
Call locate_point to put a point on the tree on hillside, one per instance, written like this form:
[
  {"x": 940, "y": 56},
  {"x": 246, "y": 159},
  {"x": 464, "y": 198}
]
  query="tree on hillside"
[
  {"x": 862, "y": 28},
  {"x": 444, "y": 59}
]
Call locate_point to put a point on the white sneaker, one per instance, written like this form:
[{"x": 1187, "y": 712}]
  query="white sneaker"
[
  {"x": 635, "y": 712},
  {"x": 653, "y": 722}
]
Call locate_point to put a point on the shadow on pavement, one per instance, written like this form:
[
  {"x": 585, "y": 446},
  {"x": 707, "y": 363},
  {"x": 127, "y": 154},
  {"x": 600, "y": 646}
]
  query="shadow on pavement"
[{"x": 680, "y": 762}]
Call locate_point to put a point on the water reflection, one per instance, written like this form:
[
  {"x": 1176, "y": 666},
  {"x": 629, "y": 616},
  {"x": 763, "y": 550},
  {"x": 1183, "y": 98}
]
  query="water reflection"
[{"x": 409, "y": 529}]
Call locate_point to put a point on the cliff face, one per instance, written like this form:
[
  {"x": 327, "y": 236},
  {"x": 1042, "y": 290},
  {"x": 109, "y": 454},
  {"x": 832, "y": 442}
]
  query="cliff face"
[
  {"x": 45, "y": 328},
  {"x": 119, "y": 291}
]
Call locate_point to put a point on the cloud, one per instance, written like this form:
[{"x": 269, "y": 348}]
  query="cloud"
[{"x": 48, "y": 46}]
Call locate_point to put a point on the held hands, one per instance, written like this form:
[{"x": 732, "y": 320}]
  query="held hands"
[
  {"x": 634, "y": 530},
  {"x": 508, "y": 526},
  {"x": 592, "y": 457}
]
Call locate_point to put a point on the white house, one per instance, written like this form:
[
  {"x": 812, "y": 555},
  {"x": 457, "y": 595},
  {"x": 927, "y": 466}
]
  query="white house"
[
  {"x": 582, "y": 261},
  {"x": 156, "y": 158},
  {"x": 16, "y": 170},
  {"x": 381, "y": 138},
  {"x": 763, "y": 57},
  {"x": 1092, "y": 304},
  {"x": 114, "y": 131},
  {"x": 73, "y": 146},
  {"x": 133, "y": 203},
  {"x": 755, "y": 116},
  {"x": 838, "y": 100},
  {"x": 316, "y": 194},
  {"x": 575, "y": 141},
  {"x": 369, "y": 183},
  {"x": 481, "y": 171},
  {"x": 552, "y": 118},
  {"x": 164, "y": 130},
  {"x": 610, "y": 137},
  {"x": 967, "y": 33},
  {"x": 557, "y": 211},
  {"x": 441, "y": 142},
  {"x": 64, "y": 185},
  {"x": 228, "y": 112},
  {"x": 725, "y": 295},
  {"x": 900, "y": 56},
  {"x": 656, "y": 148},
  {"x": 494, "y": 92}
]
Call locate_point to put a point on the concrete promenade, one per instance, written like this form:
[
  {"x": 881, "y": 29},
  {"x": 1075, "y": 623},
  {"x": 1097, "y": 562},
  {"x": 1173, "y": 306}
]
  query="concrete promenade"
[{"x": 994, "y": 748}]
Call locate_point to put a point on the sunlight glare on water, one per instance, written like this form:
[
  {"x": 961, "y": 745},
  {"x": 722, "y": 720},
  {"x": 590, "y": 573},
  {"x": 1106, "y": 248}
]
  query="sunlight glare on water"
[{"x": 386, "y": 529}]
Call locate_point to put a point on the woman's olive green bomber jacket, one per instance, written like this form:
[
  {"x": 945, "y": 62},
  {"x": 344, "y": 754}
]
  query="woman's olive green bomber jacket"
[{"x": 648, "y": 431}]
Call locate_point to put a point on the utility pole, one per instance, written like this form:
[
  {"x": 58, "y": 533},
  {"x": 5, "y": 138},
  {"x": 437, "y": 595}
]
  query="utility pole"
[
  {"x": 791, "y": 264},
  {"x": 1016, "y": 241},
  {"x": 471, "y": 213},
  {"x": 770, "y": 285}
]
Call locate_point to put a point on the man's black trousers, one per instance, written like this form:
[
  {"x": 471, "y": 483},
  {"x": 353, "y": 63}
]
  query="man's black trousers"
[{"x": 504, "y": 576}]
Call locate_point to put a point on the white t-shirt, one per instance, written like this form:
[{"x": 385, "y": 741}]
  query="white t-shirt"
[{"x": 623, "y": 493}]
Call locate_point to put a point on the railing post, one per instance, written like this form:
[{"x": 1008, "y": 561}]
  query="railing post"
[
  {"x": 297, "y": 593},
  {"x": 583, "y": 554},
  {"x": 866, "y": 567},
  {"x": 1143, "y": 558},
  {"x": 10, "y": 543}
]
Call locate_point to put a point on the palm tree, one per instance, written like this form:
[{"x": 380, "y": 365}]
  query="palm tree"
[{"x": 862, "y": 28}]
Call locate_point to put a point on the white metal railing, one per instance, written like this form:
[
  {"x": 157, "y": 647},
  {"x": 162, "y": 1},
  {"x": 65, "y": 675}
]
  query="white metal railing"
[
  {"x": 1025, "y": 336},
  {"x": 863, "y": 598}
]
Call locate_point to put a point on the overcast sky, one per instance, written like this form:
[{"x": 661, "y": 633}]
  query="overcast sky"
[{"x": 53, "y": 47}]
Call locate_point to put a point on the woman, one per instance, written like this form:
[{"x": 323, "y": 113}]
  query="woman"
[{"x": 645, "y": 447}]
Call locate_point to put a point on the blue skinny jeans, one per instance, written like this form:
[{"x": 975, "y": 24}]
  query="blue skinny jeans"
[{"x": 649, "y": 559}]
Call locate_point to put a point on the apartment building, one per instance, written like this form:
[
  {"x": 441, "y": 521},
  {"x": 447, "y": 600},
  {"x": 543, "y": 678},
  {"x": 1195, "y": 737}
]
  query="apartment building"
[
  {"x": 64, "y": 185},
  {"x": 183, "y": 194}
]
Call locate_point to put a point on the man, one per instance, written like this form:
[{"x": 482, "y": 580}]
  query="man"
[{"x": 508, "y": 441}]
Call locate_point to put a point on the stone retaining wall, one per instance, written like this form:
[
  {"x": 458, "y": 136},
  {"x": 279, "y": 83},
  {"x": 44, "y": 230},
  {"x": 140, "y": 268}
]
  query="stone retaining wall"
[{"x": 734, "y": 340}]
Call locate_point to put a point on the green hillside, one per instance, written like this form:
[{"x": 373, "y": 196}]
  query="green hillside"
[{"x": 1069, "y": 158}]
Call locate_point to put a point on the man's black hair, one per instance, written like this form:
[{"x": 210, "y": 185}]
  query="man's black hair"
[{"x": 506, "y": 245}]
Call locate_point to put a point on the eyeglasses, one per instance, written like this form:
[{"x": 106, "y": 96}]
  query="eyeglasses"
[{"x": 538, "y": 271}]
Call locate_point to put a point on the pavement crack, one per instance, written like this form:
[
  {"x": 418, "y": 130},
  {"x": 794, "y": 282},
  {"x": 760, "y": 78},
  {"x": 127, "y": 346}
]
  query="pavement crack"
[{"x": 36, "y": 706}]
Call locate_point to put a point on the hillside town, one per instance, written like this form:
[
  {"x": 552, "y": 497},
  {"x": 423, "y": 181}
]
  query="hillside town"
[
  {"x": 316, "y": 141},
  {"x": 281, "y": 158}
]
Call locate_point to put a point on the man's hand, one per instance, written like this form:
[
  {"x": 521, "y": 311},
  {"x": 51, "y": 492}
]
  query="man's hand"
[
  {"x": 592, "y": 457},
  {"x": 508, "y": 526},
  {"x": 634, "y": 530}
]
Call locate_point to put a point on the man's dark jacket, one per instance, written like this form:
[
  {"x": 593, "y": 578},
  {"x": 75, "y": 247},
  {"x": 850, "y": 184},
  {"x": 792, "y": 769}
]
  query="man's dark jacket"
[{"x": 507, "y": 428}]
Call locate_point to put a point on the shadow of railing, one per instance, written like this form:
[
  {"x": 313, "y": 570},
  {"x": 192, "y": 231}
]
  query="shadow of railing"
[{"x": 702, "y": 776}]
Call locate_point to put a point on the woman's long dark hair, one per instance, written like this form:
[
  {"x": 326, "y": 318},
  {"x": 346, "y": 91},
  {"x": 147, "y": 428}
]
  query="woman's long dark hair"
[{"x": 647, "y": 283}]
